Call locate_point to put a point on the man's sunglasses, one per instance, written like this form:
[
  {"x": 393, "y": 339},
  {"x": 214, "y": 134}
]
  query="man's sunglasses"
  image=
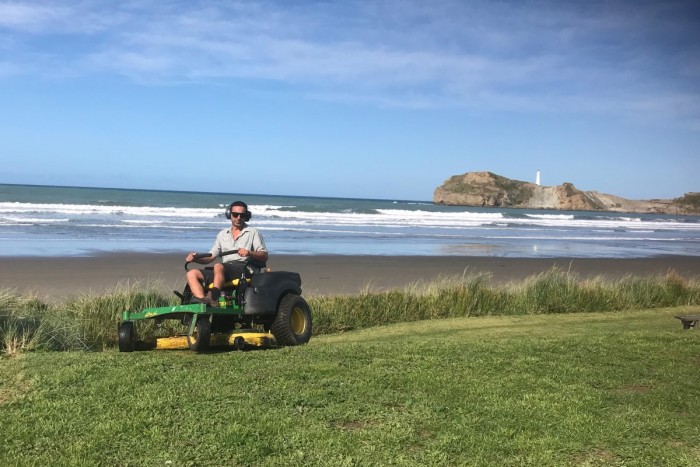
[{"x": 237, "y": 214}]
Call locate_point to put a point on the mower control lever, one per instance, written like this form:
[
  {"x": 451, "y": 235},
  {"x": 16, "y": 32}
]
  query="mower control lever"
[{"x": 208, "y": 255}]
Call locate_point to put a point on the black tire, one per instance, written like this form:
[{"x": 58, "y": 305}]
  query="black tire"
[
  {"x": 127, "y": 336},
  {"x": 239, "y": 343},
  {"x": 292, "y": 325},
  {"x": 202, "y": 334}
]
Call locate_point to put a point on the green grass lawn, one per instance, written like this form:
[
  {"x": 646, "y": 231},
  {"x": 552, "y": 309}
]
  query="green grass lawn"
[{"x": 574, "y": 389}]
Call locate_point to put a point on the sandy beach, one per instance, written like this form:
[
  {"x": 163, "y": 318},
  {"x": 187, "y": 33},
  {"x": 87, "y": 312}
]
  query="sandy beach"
[{"x": 57, "y": 278}]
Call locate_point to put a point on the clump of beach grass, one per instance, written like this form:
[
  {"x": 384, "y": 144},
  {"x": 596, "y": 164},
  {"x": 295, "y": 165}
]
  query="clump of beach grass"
[
  {"x": 20, "y": 318},
  {"x": 87, "y": 322},
  {"x": 90, "y": 321},
  {"x": 97, "y": 316}
]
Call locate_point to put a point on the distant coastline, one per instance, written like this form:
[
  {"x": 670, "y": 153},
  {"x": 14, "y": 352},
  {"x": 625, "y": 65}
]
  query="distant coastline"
[{"x": 486, "y": 189}]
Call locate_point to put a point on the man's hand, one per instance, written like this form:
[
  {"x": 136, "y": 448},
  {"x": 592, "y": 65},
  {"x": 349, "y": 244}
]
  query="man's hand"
[{"x": 190, "y": 257}]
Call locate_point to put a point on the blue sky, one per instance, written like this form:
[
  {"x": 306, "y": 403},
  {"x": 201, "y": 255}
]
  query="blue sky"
[{"x": 376, "y": 98}]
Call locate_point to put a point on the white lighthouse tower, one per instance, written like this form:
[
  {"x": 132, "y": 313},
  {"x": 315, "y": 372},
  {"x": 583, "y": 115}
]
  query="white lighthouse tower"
[{"x": 537, "y": 178}]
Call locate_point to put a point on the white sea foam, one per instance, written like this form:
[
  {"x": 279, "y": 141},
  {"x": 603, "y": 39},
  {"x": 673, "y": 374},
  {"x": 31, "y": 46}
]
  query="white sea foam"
[
  {"x": 31, "y": 220},
  {"x": 589, "y": 238},
  {"x": 87, "y": 209},
  {"x": 272, "y": 216},
  {"x": 127, "y": 226},
  {"x": 551, "y": 216}
]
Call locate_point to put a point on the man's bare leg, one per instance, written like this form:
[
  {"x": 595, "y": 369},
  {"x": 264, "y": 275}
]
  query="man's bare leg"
[
  {"x": 194, "y": 280},
  {"x": 218, "y": 282}
]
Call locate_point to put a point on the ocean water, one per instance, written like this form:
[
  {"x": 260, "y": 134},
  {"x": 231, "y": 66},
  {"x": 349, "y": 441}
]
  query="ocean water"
[{"x": 63, "y": 221}]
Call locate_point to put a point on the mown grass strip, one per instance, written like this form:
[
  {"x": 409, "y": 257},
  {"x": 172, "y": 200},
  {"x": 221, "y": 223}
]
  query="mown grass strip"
[{"x": 572, "y": 389}]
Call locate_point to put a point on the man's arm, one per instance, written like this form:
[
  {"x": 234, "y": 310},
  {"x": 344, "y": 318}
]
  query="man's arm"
[
  {"x": 214, "y": 252},
  {"x": 259, "y": 248},
  {"x": 257, "y": 251},
  {"x": 190, "y": 258},
  {"x": 259, "y": 255}
]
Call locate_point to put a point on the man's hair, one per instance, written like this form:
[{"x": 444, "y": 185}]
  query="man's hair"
[{"x": 247, "y": 215}]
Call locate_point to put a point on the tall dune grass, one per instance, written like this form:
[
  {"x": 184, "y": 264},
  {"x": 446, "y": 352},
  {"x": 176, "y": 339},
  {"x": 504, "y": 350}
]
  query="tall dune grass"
[
  {"x": 554, "y": 291},
  {"x": 20, "y": 321},
  {"x": 97, "y": 316},
  {"x": 90, "y": 321}
]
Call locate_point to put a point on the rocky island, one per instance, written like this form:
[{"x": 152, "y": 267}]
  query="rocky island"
[{"x": 486, "y": 189}]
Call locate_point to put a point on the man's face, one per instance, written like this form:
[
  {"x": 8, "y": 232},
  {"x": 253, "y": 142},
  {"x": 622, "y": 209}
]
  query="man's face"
[{"x": 237, "y": 216}]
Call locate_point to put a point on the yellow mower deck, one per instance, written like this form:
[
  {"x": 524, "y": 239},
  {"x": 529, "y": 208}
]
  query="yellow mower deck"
[{"x": 238, "y": 339}]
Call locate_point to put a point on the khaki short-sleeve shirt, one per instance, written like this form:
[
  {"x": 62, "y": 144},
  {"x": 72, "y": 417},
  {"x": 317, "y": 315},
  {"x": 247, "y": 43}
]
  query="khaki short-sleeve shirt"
[{"x": 250, "y": 239}]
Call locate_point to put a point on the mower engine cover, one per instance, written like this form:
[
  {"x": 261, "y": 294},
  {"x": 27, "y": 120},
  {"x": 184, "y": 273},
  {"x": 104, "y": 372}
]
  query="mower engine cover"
[{"x": 266, "y": 289}]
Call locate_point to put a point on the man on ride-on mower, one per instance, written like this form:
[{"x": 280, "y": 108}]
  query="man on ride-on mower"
[{"x": 240, "y": 236}]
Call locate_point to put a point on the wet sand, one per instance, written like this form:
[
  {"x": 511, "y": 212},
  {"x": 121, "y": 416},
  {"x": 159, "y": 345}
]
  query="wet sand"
[{"x": 59, "y": 278}]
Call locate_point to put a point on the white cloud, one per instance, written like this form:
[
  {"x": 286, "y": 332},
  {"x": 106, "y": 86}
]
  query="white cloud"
[
  {"x": 541, "y": 56},
  {"x": 48, "y": 18},
  {"x": 25, "y": 16}
]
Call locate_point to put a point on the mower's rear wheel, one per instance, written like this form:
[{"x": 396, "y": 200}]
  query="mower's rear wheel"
[
  {"x": 127, "y": 336},
  {"x": 292, "y": 325},
  {"x": 202, "y": 334}
]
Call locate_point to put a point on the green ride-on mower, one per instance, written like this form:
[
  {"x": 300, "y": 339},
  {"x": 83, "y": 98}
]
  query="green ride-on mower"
[{"x": 258, "y": 309}]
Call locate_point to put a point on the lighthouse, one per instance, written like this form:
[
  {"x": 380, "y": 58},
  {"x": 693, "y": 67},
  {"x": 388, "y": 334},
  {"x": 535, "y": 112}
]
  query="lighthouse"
[{"x": 537, "y": 178}]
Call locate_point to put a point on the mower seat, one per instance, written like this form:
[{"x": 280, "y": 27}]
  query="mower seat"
[{"x": 232, "y": 284}]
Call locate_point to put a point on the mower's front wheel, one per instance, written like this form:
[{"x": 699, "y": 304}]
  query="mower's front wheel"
[
  {"x": 202, "y": 334},
  {"x": 292, "y": 325},
  {"x": 127, "y": 336}
]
